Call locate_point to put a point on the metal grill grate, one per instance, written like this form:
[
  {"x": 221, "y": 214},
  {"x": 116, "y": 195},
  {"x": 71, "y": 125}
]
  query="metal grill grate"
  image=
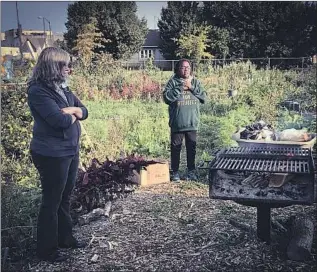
[
  {"x": 278, "y": 160},
  {"x": 282, "y": 151}
]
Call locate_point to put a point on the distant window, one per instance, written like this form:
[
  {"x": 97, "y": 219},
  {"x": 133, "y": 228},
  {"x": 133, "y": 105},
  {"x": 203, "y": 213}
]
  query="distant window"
[{"x": 146, "y": 53}]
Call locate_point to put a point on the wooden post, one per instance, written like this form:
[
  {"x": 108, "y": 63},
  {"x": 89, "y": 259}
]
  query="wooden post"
[
  {"x": 269, "y": 63},
  {"x": 264, "y": 223}
]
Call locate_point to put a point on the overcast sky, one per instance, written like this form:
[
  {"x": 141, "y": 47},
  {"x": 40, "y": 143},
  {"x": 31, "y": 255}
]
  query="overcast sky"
[{"x": 56, "y": 13}]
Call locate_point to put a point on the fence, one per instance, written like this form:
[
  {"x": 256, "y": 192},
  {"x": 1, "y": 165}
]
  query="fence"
[{"x": 268, "y": 63}]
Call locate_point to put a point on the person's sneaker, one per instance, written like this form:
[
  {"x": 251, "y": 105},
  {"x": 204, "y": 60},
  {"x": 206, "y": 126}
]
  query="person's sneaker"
[
  {"x": 55, "y": 256},
  {"x": 175, "y": 177},
  {"x": 191, "y": 175}
]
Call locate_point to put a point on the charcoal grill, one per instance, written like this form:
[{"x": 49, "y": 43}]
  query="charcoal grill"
[{"x": 264, "y": 178}]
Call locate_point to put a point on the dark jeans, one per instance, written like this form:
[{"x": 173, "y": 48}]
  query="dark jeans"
[
  {"x": 176, "y": 147},
  {"x": 58, "y": 177}
]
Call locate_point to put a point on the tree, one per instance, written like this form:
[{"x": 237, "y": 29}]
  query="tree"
[
  {"x": 89, "y": 40},
  {"x": 194, "y": 45},
  {"x": 177, "y": 19},
  {"x": 117, "y": 21},
  {"x": 61, "y": 44},
  {"x": 219, "y": 42},
  {"x": 265, "y": 29}
]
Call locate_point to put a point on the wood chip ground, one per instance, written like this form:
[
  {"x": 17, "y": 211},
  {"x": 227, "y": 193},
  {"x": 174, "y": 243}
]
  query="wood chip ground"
[{"x": 177, "y": 227}]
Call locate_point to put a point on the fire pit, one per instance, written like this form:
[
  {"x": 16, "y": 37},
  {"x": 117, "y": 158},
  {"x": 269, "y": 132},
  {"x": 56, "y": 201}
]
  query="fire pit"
[{"x": 264, "y": 178}]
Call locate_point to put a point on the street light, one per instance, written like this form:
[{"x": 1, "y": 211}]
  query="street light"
[{"x": 49, "y": 25}]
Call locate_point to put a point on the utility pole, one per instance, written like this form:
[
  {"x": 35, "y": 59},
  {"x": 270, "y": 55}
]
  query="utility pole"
[
  {"x": 19, "y": 32},
  {"x": 44, "y": 34},
  {"x": 49, "y": 27}
]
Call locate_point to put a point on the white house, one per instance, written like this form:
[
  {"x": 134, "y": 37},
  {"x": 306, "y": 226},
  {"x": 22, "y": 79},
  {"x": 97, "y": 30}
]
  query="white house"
[{"x": 150, "y": 49}]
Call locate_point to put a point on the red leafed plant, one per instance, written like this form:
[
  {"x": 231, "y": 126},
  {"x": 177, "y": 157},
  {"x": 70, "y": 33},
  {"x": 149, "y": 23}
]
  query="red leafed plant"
[{"x": 101, "y": 182}]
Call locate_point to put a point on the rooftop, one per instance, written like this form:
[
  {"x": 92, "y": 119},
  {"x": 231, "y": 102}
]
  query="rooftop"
[{"x": 152, "y": 38}]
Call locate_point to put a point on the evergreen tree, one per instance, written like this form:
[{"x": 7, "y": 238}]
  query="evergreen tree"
[
  {"x": 117, "y": 21},
  {"x": 177, "y": 19}
]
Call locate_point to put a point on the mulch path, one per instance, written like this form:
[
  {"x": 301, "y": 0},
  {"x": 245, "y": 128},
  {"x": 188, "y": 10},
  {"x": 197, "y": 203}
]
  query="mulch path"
[{"x": 177, "y": 227}]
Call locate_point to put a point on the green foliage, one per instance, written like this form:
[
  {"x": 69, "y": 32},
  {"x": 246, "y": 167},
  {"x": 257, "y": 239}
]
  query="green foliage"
[
  {"x": 219, "y": 41},
  {"x": 106, "y": 78},
  {"x": 193, "y": 45},
  {"x": 19, "y": 209},
  {"x": 16, "y": 132},
  {"x": 22, "y": 70},
  {"x": 117, "y": 21},
  {"x": 115, "y": 126},
  {"x": 19, "y": 171},
  {"x": 148, "y": 137},
  {"x": 16, "y": 122},
  {"x": 150, "y": 68},
  {"x": 177, "y": 19},
  {"x": 61, "y": 44},
  {"x": 88, "y": 41},
  {"x": 287, "y": 120},
  {"x": 216, "y": 131},
  {"x": 306, "y": 92},
  {"x": 260, "y": 29},
  {"x": 260, "y": 89}
]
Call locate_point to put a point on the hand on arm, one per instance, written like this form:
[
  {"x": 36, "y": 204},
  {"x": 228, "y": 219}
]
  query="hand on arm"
[
  {"x": 73, "y": 119},
  {"x": 47, "y": 108},
  {"x": 84, "y": 111},
  {"x": 76, "y": 111}
]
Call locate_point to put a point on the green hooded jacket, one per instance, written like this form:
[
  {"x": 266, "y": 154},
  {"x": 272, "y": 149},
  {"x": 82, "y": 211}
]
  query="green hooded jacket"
[{"x": 183, "y": 107}]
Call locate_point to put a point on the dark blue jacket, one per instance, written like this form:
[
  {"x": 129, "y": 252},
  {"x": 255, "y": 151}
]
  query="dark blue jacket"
[{"x": 54, "y": 134}]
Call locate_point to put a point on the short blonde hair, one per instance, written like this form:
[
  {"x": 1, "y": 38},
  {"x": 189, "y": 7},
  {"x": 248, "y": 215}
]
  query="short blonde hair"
[{"x": 49, "y": 65}]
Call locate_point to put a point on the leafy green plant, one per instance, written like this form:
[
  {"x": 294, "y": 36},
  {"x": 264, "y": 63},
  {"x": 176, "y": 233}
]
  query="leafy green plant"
[
  {"x": 16, "y": 122},
  {"x": 19, "y": 209},
  {"x": 15, "y": 138},
  {"x": 194, "y": 45},
  {"x": 88, "y": 41}
]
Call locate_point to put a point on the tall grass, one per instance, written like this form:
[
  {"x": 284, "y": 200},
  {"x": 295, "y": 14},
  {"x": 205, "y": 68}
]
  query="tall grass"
[{"x": 127, "y": 126}]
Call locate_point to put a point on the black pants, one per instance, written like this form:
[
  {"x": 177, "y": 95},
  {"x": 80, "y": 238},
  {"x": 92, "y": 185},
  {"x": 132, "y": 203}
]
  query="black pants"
[
  {"x": 58, "y": 177},
  {"x": 176, "y": 147}
]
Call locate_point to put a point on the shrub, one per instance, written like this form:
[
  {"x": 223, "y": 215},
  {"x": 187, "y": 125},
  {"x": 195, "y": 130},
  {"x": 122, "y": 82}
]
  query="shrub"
[
  {"x": 19, "y": 209},
  {"x": 215, "y": 131},
  {"x": 16, "y": 136},
  {"x": 106, "y": 78},
  {"x": 16, "y": 122}
]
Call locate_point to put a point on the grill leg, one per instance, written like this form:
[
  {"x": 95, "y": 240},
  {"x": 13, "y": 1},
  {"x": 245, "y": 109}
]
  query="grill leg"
[{"x": 264, "y": 223}]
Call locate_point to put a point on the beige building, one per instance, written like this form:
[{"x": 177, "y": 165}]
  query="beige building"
[
  {"x": 33, "y": 42},
  {"x": 12, "y": 40},
  {"x": 13, "y": 51}
]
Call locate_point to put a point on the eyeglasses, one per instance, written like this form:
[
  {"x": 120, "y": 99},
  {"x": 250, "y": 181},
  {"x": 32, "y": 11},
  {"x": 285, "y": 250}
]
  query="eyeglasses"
[{"x": 184, "y": 68}]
